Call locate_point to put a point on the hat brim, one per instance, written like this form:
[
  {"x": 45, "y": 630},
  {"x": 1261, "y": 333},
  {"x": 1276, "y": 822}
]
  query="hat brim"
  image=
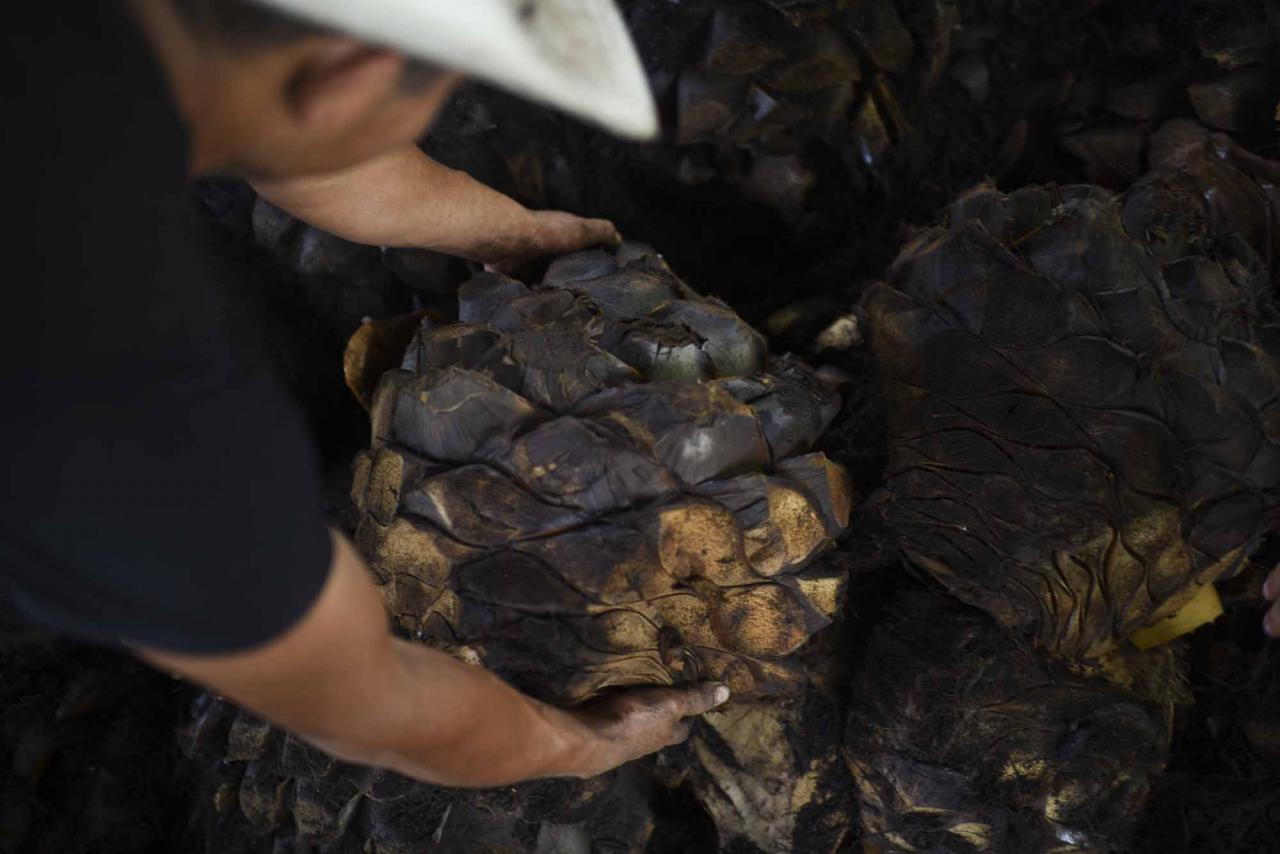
[{"x": 573, "y": 54}]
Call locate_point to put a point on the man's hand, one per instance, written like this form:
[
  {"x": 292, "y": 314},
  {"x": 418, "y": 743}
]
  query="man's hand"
[
  {"x": 405, "y": 199},
  {"x": 1271, "y": 590},
  {"x": 638, "y": 722},
  {"x": 551, "y": 233}
]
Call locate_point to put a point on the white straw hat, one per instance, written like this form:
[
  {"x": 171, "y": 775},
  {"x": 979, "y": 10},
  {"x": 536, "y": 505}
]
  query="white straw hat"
[{"x": 573, "y": 54}]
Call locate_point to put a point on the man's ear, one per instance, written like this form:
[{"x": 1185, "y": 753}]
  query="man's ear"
[{"x": 340, "y": 82}]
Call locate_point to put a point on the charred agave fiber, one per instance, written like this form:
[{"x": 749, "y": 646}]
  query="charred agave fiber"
[
  {"x": 599, "y": 482},
  {"x": 963, "y": 739},
  {"x": 258, "y": 789},
  {"x": 1084, "y": 398}
]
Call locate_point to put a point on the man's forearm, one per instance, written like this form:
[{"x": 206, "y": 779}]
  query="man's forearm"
[
  {"x": 458, "y": 725},
  {"x": 340, "y": 679},
  {"x": 405, "y": 199}
]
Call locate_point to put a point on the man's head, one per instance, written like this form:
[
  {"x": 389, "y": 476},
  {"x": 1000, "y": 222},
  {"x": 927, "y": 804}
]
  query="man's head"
[{"x": 271, "y": 96}]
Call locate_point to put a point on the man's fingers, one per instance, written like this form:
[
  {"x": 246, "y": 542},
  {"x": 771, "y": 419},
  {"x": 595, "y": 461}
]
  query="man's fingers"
[
  {"x": 691, "y": 702},
  {"x": 558, "y": 233},
  {"x": 641, "y": 721},
  {"x": 688, "y": 703},
  {"x": 1271, "y": 622},
  {"x": 681, "y": 703},
  {"x": 577, "y": 232},
  {"x": 603, "y": 232}
]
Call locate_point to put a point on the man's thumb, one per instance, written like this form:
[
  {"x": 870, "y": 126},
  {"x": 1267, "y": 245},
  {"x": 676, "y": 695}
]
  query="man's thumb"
[{"x": 704, "y": 697}]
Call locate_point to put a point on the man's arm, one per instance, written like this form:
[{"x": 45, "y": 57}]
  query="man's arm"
[
  {"x": 340, "y": 679},
  {"x": 405, "y": 199}
]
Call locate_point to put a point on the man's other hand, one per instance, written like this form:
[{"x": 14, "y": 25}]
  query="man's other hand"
[
  {"x": 552, "y": 233},
  {"x": 641, "y": 721},
  {"x": 405, "y": 199}
]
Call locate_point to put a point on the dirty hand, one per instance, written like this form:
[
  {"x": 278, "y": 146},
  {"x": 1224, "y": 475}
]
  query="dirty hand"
[
  {"x": 550, "y": 233},
  {"x": 635, "y": 723},
  {"x": 1271, "y": 590}
]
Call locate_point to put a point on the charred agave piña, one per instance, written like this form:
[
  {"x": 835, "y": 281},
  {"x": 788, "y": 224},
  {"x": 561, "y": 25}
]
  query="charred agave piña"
[
  {"x": 1084, "y": 411},
  {"x": 1216, "y": 61},
  {"x": 596, "y": 484},
  {"x": 802, "y": 105},
  {"x": 964, "y": 739},
  {"x": 1084, "y": 399},
  {"x": 599, "y": 482},
  {"x": 754, "y": 84}
]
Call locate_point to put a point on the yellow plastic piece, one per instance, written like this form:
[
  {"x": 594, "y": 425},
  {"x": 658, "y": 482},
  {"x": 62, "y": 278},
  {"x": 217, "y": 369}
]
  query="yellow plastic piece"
[{"x": 1204, "y": 608}]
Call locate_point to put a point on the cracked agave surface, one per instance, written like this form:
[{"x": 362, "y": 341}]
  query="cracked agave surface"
[
  {"x": 1084, "y": 398},
  {"x": 598, "y": 482}
]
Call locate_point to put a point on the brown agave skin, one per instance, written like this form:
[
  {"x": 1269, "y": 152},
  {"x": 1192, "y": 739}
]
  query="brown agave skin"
[
  {"x": 1084, "y": 397},
  {"x": 963, "y": 739},
  {"x": 599, "y": 483}
]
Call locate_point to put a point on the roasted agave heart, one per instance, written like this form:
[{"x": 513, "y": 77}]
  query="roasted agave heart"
[
  {"x": 602, "y": 481},
  {"x": 1084, "y": 396}
]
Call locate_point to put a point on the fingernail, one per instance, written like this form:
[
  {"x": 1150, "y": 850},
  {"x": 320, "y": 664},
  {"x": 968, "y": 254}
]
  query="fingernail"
[{"x": 722, "y": 695}]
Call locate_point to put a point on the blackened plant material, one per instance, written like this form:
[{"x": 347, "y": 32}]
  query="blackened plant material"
[
  {"x": 602, "y": 481},
  {"x": 1084, "y": 397},
  {"x": 963, "y": 739}
]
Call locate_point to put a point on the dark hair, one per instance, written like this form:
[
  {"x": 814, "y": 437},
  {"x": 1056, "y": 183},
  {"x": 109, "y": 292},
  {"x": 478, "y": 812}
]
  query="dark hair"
[{"x": 251, "y": 24}]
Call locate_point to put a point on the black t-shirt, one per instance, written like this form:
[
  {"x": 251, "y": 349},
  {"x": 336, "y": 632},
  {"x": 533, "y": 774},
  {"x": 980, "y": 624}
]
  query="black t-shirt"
[{"x": 159, "y": 488}]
